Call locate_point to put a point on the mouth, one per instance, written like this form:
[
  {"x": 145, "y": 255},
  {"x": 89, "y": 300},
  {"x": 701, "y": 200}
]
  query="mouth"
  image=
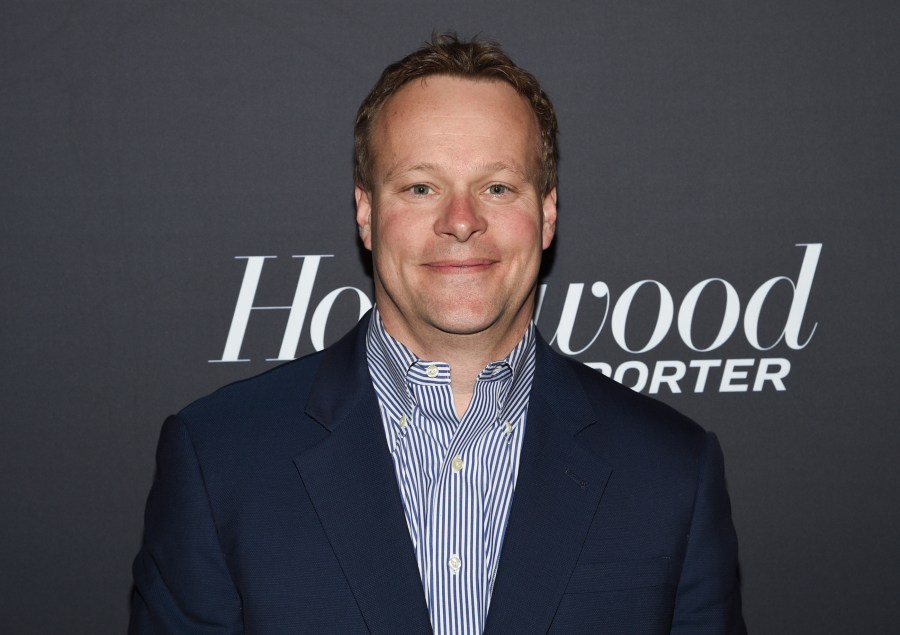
[{"x": 468, "y": 265}]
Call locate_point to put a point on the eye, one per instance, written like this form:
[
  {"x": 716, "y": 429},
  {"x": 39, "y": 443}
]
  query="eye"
[
  {"x": 497, "y": 189},
  {"x": 420, "y": 189}
]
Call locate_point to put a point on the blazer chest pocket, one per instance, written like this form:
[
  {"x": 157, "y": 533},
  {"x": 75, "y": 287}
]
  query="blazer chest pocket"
[{"x": 594, "y": 577}]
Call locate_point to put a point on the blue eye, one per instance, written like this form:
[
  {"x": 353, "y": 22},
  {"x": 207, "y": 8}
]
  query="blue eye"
[
  {"x": 420, "y": 190},
  {"x": 497, "y": 189}
]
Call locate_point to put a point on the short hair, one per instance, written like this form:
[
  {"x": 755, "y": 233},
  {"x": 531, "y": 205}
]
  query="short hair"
[{"x": 447, "y": 55}]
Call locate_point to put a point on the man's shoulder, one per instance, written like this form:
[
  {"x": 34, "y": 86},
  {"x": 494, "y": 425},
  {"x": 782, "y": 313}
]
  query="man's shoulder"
[
  {"x": 628, "y": 416},
  {"x": 282, "y": 394},
  {"x": 269, "y": 405},
  {"x": 611, "y": 393},
  {"x": 284, "y": 386}
]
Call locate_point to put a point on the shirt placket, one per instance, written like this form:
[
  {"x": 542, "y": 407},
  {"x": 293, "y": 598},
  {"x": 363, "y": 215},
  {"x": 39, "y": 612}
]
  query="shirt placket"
[{"x": 460, "y": 507}]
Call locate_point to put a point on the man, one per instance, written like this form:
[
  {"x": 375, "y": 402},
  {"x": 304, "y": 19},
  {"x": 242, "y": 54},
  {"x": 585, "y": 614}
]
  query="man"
[{"x": 440, "y": 468}]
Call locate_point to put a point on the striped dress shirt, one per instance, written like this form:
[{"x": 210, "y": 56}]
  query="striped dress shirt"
[{"x": 456, "y": 476}]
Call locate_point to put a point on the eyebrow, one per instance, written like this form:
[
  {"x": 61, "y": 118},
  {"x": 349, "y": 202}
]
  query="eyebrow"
[{"x": 496, "y": 166}]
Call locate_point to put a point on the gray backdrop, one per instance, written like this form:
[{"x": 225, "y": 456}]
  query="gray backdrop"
[{"x": 729, "y": 196}]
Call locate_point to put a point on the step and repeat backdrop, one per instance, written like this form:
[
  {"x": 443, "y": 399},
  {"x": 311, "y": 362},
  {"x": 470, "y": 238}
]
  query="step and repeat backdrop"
[{"x": 177, "y": 204}]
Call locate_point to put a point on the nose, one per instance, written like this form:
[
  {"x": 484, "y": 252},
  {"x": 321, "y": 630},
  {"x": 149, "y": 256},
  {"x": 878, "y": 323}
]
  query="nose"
[{"x": 460, "y": 218}]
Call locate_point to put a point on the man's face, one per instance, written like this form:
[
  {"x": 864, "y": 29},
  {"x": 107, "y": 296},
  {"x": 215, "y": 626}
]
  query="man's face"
[{"x": 454, "y": 221}]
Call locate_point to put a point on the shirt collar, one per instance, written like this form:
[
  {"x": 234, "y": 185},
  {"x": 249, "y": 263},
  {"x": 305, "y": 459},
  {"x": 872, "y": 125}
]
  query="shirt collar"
[{"x": 398, "y": 360}]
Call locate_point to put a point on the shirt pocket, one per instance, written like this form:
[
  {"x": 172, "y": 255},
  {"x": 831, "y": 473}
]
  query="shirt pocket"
[{"x": 621, "y": 575}]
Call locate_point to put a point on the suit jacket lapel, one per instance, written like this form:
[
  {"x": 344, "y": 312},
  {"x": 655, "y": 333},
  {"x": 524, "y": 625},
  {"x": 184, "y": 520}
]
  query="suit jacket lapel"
[
  {"x": 557, "y": 494},
  {"x": 351, "y": 482}
]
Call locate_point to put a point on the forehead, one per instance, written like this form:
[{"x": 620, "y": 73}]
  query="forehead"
[
  {"x": 441, "y": 109},
  {"x": 463, "y": 93}
]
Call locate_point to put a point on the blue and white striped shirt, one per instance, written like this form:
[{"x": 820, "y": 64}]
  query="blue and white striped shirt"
[{"x": 456, "y": 477}]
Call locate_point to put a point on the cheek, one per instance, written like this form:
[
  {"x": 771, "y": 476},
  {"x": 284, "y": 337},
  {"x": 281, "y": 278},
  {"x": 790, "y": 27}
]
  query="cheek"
[
  {"x": 523, "y": 235},
  {"x": 400, "y": 225},
  {"x": 397, "y": 243},
  {"x": 385, "y": 232}
]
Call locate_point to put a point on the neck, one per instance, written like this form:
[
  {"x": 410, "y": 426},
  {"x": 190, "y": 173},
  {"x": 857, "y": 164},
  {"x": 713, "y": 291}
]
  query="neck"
[{"x": 467, "y": 354}]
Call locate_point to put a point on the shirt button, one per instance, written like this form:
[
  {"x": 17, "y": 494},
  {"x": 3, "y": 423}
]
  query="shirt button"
[
  {"x": 403, "y": 422},
  {"x": 457, "y": 464},
  {"x": 432, "y": 371},
  {"x": 454, "y": 563},
  {"x": 509, "y": 427}
]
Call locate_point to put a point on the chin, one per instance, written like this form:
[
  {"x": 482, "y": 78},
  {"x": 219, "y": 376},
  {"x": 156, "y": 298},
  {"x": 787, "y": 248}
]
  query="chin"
[
  {"x": 462, "y": 328},
  {"x": 464, "y": 322}
]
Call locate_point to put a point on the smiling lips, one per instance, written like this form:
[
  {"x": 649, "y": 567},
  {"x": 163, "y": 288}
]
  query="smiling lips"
[{"x": 468, "y": 265}]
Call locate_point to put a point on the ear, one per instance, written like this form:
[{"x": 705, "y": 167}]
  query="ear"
[
  {"x": 548, "y": 229},
  {"x": 364, "y": 216}
]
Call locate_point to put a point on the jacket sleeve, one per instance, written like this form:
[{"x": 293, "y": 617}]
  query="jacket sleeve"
[
  {"x": 708, "y": 599},
  {"x": 182, "y": 584}
]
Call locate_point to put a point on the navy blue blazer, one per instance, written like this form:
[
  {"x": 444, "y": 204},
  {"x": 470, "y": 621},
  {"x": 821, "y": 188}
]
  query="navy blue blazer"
[{"x": 275, "y": 509}]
